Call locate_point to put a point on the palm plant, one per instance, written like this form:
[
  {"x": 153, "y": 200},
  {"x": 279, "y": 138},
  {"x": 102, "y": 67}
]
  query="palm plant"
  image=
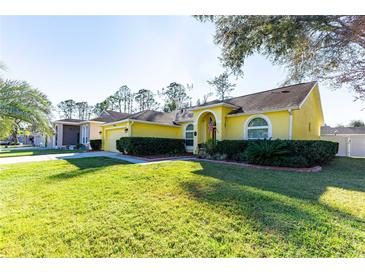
[
  {"x": 266, "y": 152},
  {"x": 19, "y": 101}
]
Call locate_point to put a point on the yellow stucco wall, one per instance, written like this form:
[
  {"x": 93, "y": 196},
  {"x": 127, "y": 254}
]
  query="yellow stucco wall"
[
  {"x": 308, "y": 120},
  {"x": 235, "y": 125},
  {"x": 154, "y": 130}
]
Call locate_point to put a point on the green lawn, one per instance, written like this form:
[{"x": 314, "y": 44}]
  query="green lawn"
[
  {"x": 99, "y": 207},
  {"x": 29, "y": 152}
]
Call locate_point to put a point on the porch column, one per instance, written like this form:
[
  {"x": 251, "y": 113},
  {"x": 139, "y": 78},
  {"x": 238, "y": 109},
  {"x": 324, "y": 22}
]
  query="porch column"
[
  {"x": 60, "y": 135},
  {"x": 196, "y": 129},
  {"x": 219, "y": 130}
]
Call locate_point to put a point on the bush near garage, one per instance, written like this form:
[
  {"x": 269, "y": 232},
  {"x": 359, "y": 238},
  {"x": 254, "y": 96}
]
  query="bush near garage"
[
  {"x": 143, "y": 146},
  {"x": 95, "y": 144}
]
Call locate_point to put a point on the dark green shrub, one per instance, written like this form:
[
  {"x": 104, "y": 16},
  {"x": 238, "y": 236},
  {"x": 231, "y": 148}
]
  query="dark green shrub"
[
  {"x": 231, "y": 147},
  {"x": 95, "y": 144},
  {"x": 210, "y": 147},
  {"x": 240, "y": 157},
  {"x": 289, "y": 153},
  {"x": 290, "y": 161},
  {"x": 150, "y": 146},
  {"x": 266, "y": 152},
  {"x": 315, "y": 152}
]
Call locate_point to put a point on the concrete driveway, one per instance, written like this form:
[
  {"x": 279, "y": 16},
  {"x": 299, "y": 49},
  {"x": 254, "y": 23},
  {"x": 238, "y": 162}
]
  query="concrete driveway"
[{"x": 64, "y": 156}]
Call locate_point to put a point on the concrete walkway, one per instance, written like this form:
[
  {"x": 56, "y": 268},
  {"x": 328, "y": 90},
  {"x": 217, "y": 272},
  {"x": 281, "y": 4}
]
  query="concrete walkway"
[{"x": 65, "y": 156}]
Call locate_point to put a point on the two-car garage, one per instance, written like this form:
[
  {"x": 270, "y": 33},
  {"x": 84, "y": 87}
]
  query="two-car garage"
[
  {"x": 351, "y": 140},
  {"x": 112, "y": 135}
]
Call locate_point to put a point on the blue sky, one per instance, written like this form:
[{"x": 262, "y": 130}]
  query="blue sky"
[{"x": 90, "y": 57}]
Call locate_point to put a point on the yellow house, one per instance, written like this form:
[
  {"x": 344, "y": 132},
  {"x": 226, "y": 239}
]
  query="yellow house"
[{"x": 291, "y": 112}]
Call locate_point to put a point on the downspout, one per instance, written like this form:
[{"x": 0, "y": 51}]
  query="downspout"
[
  {"x": 290, "y": 124},
  {"x": 130, "y": 128},
  {"x": 348, "y": 152}
]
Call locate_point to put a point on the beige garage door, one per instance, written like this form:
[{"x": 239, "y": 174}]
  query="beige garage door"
[
  {"x": 112, "y": 136},
  {"x": 357, "y": 145}
]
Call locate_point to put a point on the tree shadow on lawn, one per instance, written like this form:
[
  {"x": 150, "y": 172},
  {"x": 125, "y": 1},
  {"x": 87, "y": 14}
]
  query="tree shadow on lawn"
[
  {"x": 275, "y": 205},
  {"x": 342, "y": 173},
  {"x": 87, "y": 165}
]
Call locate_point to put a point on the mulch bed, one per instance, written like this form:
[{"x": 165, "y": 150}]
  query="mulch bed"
[
  {"x": 191, "y": 157},
  {"x": 292, "y": 169}
]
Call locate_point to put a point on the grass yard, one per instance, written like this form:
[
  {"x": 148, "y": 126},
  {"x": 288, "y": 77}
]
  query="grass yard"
[
  {"x": 5, "y": 152},
  {"x": 99, "y": 207}
]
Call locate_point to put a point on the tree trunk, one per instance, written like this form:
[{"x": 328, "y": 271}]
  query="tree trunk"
[{"x": 14, "y": 135}]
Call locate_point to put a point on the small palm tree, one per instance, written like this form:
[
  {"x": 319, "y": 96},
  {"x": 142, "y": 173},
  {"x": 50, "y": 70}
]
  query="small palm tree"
[{"x": 19, "y": 101}]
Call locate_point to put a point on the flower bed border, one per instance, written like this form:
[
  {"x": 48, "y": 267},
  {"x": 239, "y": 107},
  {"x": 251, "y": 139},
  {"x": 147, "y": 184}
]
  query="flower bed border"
[{"x": 196, "y": 159}]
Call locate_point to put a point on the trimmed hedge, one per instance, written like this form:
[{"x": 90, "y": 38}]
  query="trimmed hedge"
[
  {"x": 231, "y": 147},
  {"x": 150, "y": 146},
  {"x": 289, "y": 153},
  {"x": 95, "y": 144}
]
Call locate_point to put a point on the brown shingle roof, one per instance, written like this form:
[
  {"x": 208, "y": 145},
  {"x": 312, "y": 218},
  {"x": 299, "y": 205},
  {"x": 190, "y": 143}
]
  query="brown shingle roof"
[
  {"x": 109, "y": 116},
  {"x": 70, "y": 120},
  {"x": 326, "y": 130},
  {"x": 274, "y": 99},
  {"x": 155, "y": 116}
]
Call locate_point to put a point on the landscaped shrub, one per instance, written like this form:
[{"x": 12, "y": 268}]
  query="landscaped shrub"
[
  {"x": 315, "y": 152},
  {"x": 231, "y": 148},
  {"x": 95, "y": 144},
  {"x": 266, "y": 152},
  {"x": 289, "y": 153},
  {"x": 210, "y": 147},
  {"x": 150, "y": 146}
]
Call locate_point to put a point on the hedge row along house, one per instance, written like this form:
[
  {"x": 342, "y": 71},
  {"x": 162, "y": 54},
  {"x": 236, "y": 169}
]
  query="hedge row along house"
[{"x": 291, "y": 112}]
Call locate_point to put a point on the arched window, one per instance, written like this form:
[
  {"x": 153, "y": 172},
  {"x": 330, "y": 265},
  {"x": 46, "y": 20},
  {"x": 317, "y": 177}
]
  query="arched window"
[
  {"x": 258, "y": 128},
  {"x": 189, "y": 135}
]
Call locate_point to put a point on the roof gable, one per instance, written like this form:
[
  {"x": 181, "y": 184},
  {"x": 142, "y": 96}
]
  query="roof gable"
[{"x": 275, "y": 99}]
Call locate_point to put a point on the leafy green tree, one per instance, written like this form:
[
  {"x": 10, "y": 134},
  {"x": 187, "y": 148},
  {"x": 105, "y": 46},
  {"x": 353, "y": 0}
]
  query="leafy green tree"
[
  {"x": 175, "y": 96},
  {"x": 100, "y": 107},
  {"x": 327, "y": 48},
  {"x": 222, "y": 85},
  {"x": 6, "y": 126},
  {"x": 124, "y": 99},
  {"x": 83, "y": 110},
  {"x": 67, "y": 109},
  {"x": 145, "y": 100},
  {"x": 19, "y": 102},
  {"x": 112, "y": 103},
  {"x": 357, "y": 123}
]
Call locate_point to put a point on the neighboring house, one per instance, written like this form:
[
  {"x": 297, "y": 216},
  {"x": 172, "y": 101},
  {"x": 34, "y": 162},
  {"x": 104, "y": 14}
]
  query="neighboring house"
[
  {"x": 35, "y": 139},
  {"x": 351, "y": 140},
  {"x": 291, "y": 112},
  {"x": 71, "y": 132}
]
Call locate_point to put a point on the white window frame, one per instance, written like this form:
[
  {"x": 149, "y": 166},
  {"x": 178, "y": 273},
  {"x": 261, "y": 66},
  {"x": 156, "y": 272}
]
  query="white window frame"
[
  {"x": 192, "y": 131},
  {"x": 268, "y": 127}
]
